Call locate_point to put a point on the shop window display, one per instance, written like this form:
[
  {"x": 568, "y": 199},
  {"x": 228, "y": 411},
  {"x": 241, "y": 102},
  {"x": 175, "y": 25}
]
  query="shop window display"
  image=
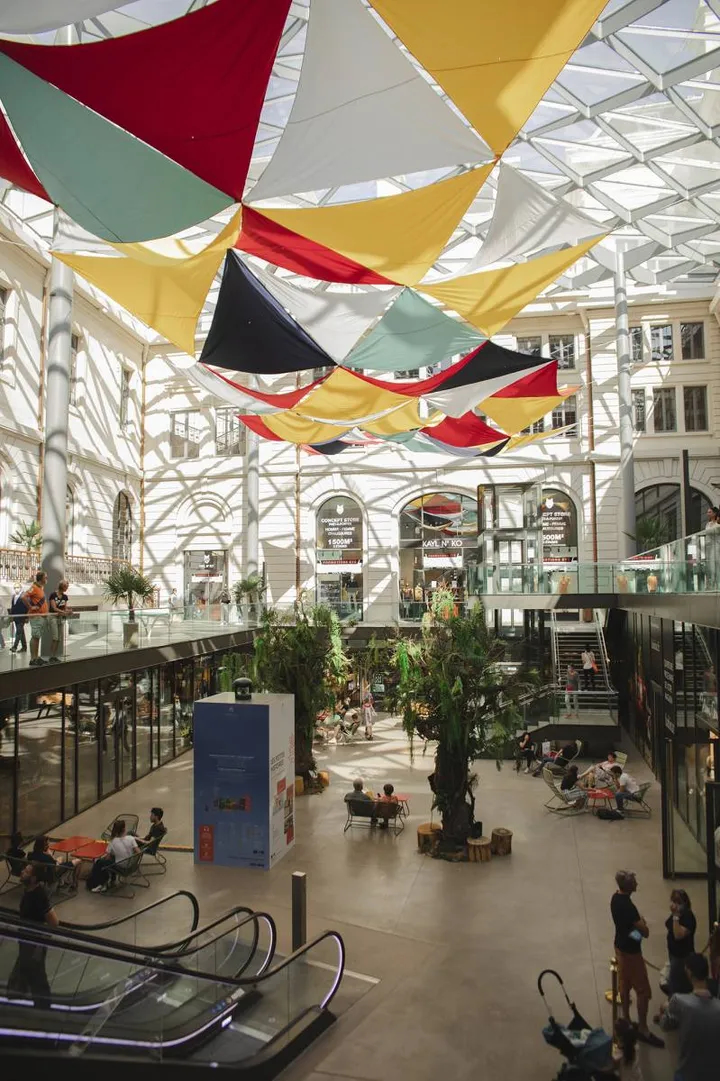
[
  {"x": 438, "y": 544},
  {"x": 339, "y": 556}
]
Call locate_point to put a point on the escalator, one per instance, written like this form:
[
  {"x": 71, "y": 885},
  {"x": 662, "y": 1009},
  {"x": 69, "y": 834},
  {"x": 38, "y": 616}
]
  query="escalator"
[
  {"x": 163, "y": 1008},
  {"x": 240, "y": 943}
]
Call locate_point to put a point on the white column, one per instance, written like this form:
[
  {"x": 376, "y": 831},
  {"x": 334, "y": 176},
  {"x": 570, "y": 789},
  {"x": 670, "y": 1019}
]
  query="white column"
[
  {"x": 57, "y": 404},
  {"x": 252, "y": 503},
  {"x": 627, "y": 459}
]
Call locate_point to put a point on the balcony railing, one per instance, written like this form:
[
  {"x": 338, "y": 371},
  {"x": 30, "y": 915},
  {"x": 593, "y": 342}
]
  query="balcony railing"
[{"x": 17, "y": 565}]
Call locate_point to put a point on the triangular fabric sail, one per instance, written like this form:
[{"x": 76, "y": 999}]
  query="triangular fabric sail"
[
  {"x": 485, "y": 371},
  {"x": 527, "y": 219},
  {"x": 295, "y": 429},
  {"x": 344, "y": 397},
  {"x": 109, "y": 182},
  {"x": 514, "y": 414},
  {"x": 21, "y": 17},
  {"x": 336, "y": 321},
  {"x": 406, "y": 419},
  {"x": 268, "y": 240},
  {"x": 166, "y": 292},
  {"x": 495, "y": 61},
  {"x": 361, "y": 111},
  {"x": 232, "y": 393},
  {"x": 490, "y": 298},
  {"x": 13, "y": 165},
  {"x": 469, "y": 430},
  {"x": 412, "y": 334},
  {"x": 191, "y": 88},
  {"x": 399, "y": 236},
  {"x": 251, "y": 332}
]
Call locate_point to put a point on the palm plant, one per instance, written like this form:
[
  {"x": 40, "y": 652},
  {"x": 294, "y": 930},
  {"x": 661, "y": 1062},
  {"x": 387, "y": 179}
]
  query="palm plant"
[
  {"x": 28, "y": 535},
  {"x": 126, "y": 584},
  {"x": 303, "y": 655},
  {"x": 454, "y": 692},
  {"x": 251, "y": 588},
  {"x": 651, "y": 531}
]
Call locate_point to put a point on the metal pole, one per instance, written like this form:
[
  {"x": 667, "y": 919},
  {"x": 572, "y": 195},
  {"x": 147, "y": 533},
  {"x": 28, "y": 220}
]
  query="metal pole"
[
  {"x": 299, "y": 909},
  {"x": 627, "y": 460},
  {"x": 57, "y": 404},
  {"x": 252, "y": 503},
  {"x": 685, "y": 493}
]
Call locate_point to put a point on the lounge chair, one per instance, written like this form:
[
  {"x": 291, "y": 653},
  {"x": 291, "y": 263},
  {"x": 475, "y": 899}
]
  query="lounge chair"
[
  {"x": 131, "y": 825},
  {"x": 124, "y": 875},
  {"x": 638, "y": 805},
  {"x": 559, "y": 802},
  {"x": 152, "y": 851}
]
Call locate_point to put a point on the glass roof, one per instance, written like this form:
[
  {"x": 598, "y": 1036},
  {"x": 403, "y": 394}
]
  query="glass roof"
[{"x": 629, "y": 134}]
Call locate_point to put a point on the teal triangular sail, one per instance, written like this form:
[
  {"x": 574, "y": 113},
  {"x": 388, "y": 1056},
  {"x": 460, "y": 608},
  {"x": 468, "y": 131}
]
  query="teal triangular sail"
[{"x": 412, "y": 334}]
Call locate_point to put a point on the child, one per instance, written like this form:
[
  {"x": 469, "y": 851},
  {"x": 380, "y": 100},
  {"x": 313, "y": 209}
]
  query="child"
[
  {"x": 625, "y": 1058},
  {"x": 369, "y": 715}
]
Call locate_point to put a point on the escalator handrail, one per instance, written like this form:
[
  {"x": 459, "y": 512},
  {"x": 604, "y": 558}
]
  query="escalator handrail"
[
  {"x": 67, "y": 932},
  {"x": 140, "y": 912},
  {"x": 35, "y": 934}
]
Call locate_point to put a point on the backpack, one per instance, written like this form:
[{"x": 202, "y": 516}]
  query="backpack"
[{"x": 608, "y": 814}]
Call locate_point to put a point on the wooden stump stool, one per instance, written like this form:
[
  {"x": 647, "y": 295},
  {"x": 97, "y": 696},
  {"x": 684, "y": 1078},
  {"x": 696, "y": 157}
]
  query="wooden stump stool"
[
  {"x": 501, "y": 842},
  {"x": 479, "y": 849},
  {"x": 428, "y": 836},
  {"x": 324, "y": 777}
]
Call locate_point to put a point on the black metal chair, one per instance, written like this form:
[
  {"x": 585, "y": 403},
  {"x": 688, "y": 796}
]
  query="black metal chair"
[
  {"x": 124, "y": 875},
  {"x": 131, "y": 825},
  {"x": 152, "y": 850}
]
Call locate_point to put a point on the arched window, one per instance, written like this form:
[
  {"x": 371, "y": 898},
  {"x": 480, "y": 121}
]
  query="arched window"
[
  {"x": 339, "y": 556},
  {"x": 438, "y": 541},
  {"x": 658, "y": 515},
  {"x": 69, "y": 522},
  {"x": 122, "y": 528}
]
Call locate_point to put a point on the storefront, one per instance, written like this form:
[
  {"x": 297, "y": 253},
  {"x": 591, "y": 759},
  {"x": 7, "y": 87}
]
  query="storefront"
[
  {"x": 339, "y": 556},
  {"x": 205, "y": 580},
  {"x": 66, "y": 749},
  {"x": 438, "y": 546}
]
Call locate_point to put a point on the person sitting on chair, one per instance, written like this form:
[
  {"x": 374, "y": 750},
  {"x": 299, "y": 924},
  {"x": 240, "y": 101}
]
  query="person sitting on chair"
[
  {"x": 599, "y": 775},
  {"x": 68, "y": 873},
  {"x": 558, "y": 758},
  {"x": 627, "y": 787},
  {"x": 358, "y": 794},
  {"x": 387, "y": 800},
  {"x": 120, "y": 848},
  {"x": 157, "y": 830},
  {"x": 15, "y": 855},
  {"x": 571, "y": 788}
]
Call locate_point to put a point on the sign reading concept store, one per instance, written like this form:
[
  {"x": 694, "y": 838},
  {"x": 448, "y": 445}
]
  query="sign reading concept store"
[
  {"x": 559, "y": 526},
  {"x": 339, "y": 532},
  {"x": 244, "y": 779}
]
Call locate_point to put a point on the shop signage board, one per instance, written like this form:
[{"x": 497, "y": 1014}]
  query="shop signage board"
[
  {"x": 339, "y": 532},
  {"x": 244, "y": 780},
  {"x": 559, "y": 526}
]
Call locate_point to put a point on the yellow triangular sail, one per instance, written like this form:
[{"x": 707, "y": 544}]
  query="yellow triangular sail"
[
  {"x": 398, "y": 236},
  {"x": 159, "y": 282},
  {"x": 490, "y": 298},
  {"x": 494, "y": 60}
]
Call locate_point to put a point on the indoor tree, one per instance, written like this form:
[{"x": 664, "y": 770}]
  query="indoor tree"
[
  {"x": 302, "y": 654},
  {"x": 454, "y": 691}
]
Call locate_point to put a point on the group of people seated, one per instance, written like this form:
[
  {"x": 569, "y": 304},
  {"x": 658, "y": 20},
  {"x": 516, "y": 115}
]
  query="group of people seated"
[
  {"x": 120, "y": 847},
  {"x": 360, "y": 795},
  {"x": 609, "y": 774},
  {"x": 344, "y": 721}
]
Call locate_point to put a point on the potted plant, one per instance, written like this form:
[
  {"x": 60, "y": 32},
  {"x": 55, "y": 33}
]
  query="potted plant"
[
  {"x": 28, "y": 535},
  {"x": 127, "y": 584},
  {"x": 250, "y": 591},
  {"x": 455, "y": 693}
]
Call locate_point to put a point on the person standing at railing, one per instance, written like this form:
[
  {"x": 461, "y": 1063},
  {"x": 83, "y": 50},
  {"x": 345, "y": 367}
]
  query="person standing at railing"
[
  {"x": 59, "y": 611},
  {"x": 37, "y": 610},
  {"x": 712, "y": 541},
  {"x": 174, "y": 605},
  {"x": 18, "y": 611},
  {"x": 225, "y": 602}
]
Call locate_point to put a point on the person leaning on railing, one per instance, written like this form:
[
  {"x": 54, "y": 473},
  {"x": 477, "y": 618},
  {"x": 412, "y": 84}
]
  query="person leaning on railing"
[
  {"x": 712, "y": 548},
  {"x": 37, "y": 609}
]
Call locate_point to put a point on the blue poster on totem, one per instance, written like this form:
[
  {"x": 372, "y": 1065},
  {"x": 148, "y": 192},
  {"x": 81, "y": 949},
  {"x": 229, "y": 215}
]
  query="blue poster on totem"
[{"x": 244, "y": 774}]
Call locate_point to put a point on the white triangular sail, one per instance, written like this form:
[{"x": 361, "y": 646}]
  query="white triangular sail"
[
  {"x": 336, "y": 321},
  {"x": 361, "y": 111},
  {"x": 528, "y": 219}
]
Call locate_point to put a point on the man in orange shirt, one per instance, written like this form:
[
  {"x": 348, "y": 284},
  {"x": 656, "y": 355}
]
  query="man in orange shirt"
[{"x": 37, "y": 609}]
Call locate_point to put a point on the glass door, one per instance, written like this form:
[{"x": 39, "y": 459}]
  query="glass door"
[
  {"x": 683, "y": 849},
  {"x": 205, "y": 580}
]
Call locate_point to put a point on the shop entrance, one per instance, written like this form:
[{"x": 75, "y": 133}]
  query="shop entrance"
[{"x": 205, "y": 579}]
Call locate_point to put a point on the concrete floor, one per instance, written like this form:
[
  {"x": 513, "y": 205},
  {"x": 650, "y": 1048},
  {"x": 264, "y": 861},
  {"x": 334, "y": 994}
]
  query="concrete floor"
[{"x": 456, "y": 947}]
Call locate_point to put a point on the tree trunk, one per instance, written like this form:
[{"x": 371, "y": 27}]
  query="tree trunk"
[
  {"x": 457, "y": 810},
  {"x": 304, "y": 759}
]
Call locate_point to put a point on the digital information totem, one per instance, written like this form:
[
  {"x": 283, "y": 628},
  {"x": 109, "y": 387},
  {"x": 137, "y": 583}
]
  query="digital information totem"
[{"x": 244, "y": 779}]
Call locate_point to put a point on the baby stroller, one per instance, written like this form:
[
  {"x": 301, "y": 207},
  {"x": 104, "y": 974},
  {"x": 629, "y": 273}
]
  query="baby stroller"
[{"x": 588, "y": 1050}]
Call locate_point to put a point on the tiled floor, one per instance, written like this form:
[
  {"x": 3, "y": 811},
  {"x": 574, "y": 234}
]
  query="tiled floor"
[{"x": 457, "y": 947}]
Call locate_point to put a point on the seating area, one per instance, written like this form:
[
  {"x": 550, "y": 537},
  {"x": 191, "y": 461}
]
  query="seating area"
[
  {"x": 597, "y": 794},
  {"x": 370, "y": 813}
]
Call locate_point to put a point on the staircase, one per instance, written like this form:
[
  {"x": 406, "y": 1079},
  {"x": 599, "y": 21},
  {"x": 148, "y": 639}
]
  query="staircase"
[
  {"x": 568, "y": 640},
  {"x": 691, "y": 695}
]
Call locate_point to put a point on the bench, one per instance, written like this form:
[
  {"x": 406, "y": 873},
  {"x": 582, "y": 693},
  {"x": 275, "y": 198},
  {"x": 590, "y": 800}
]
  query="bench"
[{"x": 368, "y": 812}]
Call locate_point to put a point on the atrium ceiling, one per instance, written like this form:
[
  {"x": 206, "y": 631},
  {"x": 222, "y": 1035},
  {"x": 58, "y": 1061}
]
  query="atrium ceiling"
[{"x": 629, "y": 134}]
